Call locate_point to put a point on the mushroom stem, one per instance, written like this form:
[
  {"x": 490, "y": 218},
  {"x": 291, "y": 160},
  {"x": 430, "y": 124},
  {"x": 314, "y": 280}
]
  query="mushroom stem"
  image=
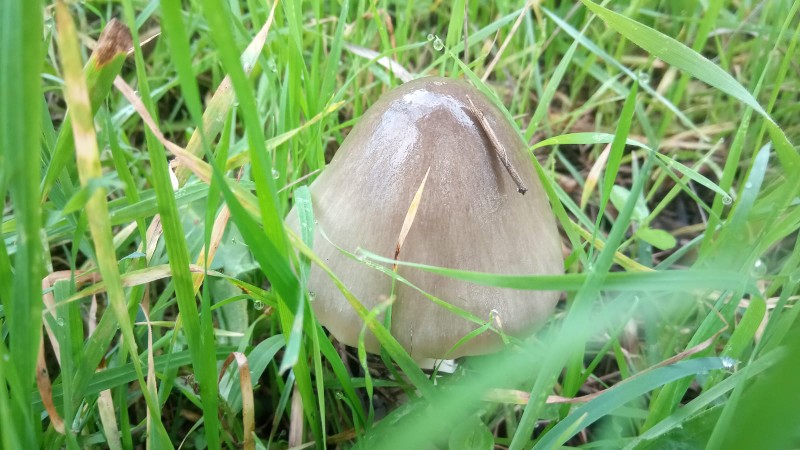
[{"x": 498, "y": 148}]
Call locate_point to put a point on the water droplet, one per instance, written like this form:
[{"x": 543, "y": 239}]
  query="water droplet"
[
  {"x": 644, "y": 77},
  {"x": 60, "y": 321},
  {"x": 794, "y": 277},
  {"x": 275, "y": 174},
  {"x": 312, "y": 296},
  {"x": 431, "y": 37},
  {"x": 748, "y": 185},
  {"x": 759, "y": 268},
  {"x": 360, "y": 255},
  {"x": 727, "y": 200},
  {"x": 728, "y": 362},
  {"x": 6, "y": 357},
  {"x": 438, "y": 45},
  {"x": 258, "y": 305}
]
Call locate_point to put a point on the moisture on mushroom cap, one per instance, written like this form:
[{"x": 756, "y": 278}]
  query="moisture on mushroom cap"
[{"x": 471, "y": 217}]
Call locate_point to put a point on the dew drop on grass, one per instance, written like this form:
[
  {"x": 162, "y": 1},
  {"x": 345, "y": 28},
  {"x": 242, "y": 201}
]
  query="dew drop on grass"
[
  {"x": 438, "y": 45},
  {"x": 275, "y": 174},
  {"x": 794, "y": 277},
  {"x": 759, "y": 268},
  {"x": 728, "y": 362},
  {"x": 727, "y": 200},
  {"x": 60, "y": 321},
  {"x": 6, "y": 357},
  {"x": 431, "y": 37},
  {"x": 312, "y": 296},
  {"x": 359, "y": 254},
  {"x": 644, "y": 77},
  {"x": 258, "y": 305}
]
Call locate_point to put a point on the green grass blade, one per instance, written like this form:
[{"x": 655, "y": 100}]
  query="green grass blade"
[
  {"x": 622, "y": 393},
  {"x": 20, "y": 134},
  {"x": 618, "y": 146},
  {"x": 101, "y": 69},
  {"x": 88, "y": 163}
]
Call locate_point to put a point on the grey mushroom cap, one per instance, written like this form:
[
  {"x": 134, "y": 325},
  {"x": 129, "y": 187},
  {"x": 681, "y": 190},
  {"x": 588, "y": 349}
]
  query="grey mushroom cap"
[{"x": 470, "y": 217}]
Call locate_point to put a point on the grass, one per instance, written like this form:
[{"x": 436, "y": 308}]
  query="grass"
[{"x": 174, "y": 312}]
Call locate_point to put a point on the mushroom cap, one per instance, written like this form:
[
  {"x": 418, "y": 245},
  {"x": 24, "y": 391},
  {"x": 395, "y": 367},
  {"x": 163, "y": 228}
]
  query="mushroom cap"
[{"x": 470, "y": 217}]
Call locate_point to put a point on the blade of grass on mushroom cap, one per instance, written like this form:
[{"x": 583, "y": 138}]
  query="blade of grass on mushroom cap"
[
  {"x": 88, "y": 162},
  {"x": 668, "y": 280},
  {"x": 20, "y": 134},
  {"x": 395, "y": 276},
  {"x": 387, "y": 341},
  {"x": 102, "y": 67}
]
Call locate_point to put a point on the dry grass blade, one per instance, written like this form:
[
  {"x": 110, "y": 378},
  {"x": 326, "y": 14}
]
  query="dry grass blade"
[
  {"x": 195, "y": 164},
  {"x": 248, "y": 405},
  {"x": 594, "y": 175},
  {"x": 105, "y": 63},
  {"x": 216, "y": 237},
  {"x": 410, "y": 215},
  {"x": 50, "y": 301},
  {"x": 151, "y": 367},
  {"x": 619, "y": 258},
  {"x": 46, "y": 390},
  {"x": 108, "y": 419},
  {"x": 296, "y": 419},
  {"x": 505, "y": 43},
  {"x": 222, "y": 100},
  {"x": 133, "y": 278},
  {"x": 243, "y": 158},
  {"x": 386, "y": 62},
  {"x": 498, "y": 147}
]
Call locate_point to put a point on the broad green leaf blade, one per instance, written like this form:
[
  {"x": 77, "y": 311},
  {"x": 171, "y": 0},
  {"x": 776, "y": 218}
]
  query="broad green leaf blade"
[
  {"x": 622, "y": 393},
  {"x": 618, "y": 147},
  {"x": 20, "y": 133}
]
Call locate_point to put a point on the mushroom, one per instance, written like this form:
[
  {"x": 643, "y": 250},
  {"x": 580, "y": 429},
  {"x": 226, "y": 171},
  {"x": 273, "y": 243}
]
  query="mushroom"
[{"x": 471, "y": 216}]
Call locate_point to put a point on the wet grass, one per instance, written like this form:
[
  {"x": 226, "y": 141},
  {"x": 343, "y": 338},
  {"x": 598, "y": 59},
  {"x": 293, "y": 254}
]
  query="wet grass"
[{"x": 148, "y": 190}]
